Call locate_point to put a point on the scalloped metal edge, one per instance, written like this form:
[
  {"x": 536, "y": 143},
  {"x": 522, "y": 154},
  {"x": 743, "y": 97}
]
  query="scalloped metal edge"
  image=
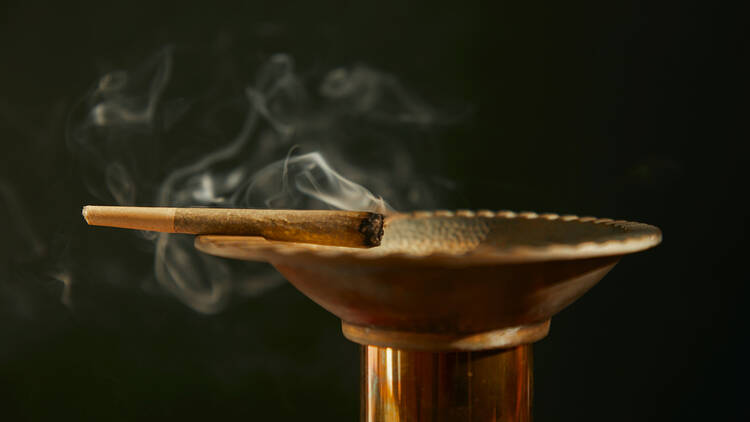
[{"x": 644, "y": 236}]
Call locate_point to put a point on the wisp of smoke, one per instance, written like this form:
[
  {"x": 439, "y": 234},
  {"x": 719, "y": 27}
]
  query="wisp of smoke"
[{"x": 142, "y": 142}]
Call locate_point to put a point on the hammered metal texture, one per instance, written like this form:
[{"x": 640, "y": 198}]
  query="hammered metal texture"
[
  {"x": 461, "y": 238},
  {"x": 458, "y": 273}
]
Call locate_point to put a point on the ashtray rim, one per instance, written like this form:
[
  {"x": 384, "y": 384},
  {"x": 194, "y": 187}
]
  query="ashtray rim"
[{"x": 630, "y": 237}]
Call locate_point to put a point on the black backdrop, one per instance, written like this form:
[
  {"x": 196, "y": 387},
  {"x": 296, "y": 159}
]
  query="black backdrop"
[{"x": 621, "y": 110}]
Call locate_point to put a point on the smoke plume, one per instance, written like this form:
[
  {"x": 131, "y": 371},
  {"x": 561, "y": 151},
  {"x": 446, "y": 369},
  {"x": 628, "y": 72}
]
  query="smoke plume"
[{"x": 166, "y": 135}]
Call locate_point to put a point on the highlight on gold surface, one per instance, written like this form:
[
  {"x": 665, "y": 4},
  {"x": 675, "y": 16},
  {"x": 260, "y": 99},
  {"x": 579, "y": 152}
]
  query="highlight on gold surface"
[{"x": 413, "y": 386}]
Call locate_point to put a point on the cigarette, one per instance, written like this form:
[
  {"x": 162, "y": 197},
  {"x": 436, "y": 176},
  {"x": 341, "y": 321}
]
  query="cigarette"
[{"x": 336, "y": 228}]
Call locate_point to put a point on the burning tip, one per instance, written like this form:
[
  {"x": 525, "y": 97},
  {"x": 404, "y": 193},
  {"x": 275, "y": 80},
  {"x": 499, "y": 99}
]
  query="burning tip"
[
  {"x": 84, "y": 213},
  {"x": 372, "y": 229}
]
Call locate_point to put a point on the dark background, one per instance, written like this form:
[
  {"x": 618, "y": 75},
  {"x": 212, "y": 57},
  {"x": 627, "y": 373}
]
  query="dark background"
[{"x": 622, "y": 109}]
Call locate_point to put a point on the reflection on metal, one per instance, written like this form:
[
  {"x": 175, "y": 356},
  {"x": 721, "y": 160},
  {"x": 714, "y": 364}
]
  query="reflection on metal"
[
  {"x": 447, "y": 307},
  {"x": 417, "y": 386},
  {"x": 451, "y": 280}
]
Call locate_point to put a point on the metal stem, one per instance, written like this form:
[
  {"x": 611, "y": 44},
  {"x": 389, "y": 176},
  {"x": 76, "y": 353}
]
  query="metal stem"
[{"x": 417, "y": 386}]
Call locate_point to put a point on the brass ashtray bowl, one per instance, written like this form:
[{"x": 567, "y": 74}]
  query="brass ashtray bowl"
[{"x": 451, "y": 280}]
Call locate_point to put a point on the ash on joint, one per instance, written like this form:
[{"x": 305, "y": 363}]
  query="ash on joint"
[{"x": 372, "y": 229}]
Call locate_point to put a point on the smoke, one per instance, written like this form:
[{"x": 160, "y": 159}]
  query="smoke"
[
  {"x": 21, "y": 233},
  {"x": 27, "y": 248},
  {"x": 160, "y": 135},
  {"x": 306, "y": 181}
]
